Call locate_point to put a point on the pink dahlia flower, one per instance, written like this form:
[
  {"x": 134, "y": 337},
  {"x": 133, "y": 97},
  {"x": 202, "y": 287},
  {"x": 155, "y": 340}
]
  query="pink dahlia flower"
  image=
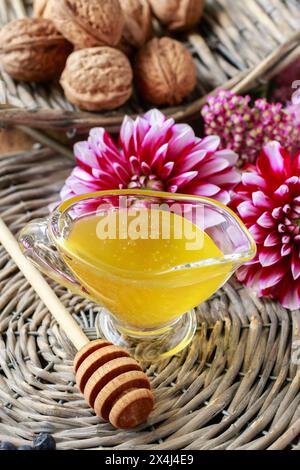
[
  {"x": 268, "y": 201},
  {"x": 153, "y": 153}
]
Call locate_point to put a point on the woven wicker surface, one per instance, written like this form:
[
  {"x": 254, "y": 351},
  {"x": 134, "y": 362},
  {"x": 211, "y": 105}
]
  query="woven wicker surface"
[
  {"x": 237, "y": 42},
  {"x": 235, "y": 387}
]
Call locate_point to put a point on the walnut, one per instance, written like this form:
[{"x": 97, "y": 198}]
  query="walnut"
[
  {"x": 97, "y": 78},
  {"x": 178, "y": 15},
  {"x": 89, "y": 23},
  {"x": 32, "y": 49},
  {"x": 138, "y": 23},
  {"x": 165, "y": 71}
]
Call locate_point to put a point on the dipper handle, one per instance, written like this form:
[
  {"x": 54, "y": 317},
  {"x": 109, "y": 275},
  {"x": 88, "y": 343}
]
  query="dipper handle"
[
  {"x": 112, "y": 382},
  {"x": 42, "y": 288}
]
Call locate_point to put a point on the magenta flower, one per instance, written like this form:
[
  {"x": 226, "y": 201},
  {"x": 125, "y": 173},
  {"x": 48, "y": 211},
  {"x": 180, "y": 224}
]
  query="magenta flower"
[
  {"x": 153, "y": 153},
  {"x": 245, "y": 128},
  {"x": 268, "y": 201}
]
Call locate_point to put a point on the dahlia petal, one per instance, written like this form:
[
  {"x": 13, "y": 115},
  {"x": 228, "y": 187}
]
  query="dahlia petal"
[
  {"x": 248, "y": 274},
  {"x": 242, "y": 192},
  {"x": 84, "y": 154},
  {"x": 134, "y": 185},
  {"x": 156, "y": 117},
  {"x": 262, "y": 201},
  {"x": 269, "y": 256},
  {"x": 187, "y": 162},
  {"x": 100, "y": 175},
  {"x": 295, "y": 265},
  {"x": 155, "y": 138},
  {"x": 277, "y": 213},
  {"x": 223, "y": 197},
  {"x": 146, "y": 168},
  {"x": 183, "y": 178},
  {"x": 102, "y": 144},
  {"x": 167, "y": 170},
  {"x": 282, "y": 193},
  {"x": 105, "y": 177},
  {"x": 79, "y": 187},
  {"x": 247, "y": 210},
  {"x": 81, "y": 174},
  {"x": 126, "y": 133},
  {"x": 121, "y": 173},
  {"x": 134, "y": 165},
  {"x": 96, "y": 173},
  {"x": 229, "y": 155},
  {"x": 210, "y": 143},
  {"x": 295, "y": 214},
  {"x": 271, "y": 276},
  {"x": 204, "y": 189},
  {"x": 292, "y": 180},
  {"x": 212, "y": 166},
  {"x": 242, "y": 273},
  {"x": 272, "y": 161},
  {"x": 258, "y": 233},
  {"x": 289, "y": 294},
  {"x": 253, "y": 180},
  {"x": 160, "y": 156},
  {"x": 196, "y": 188},
  {"x": 286, "y": 250},
  {"x": 296, "y": 163},
  {"x": 184, "y": 136},
  {"x": 65, "y": 194},
  {"x": 141, "y": 127},
  {"x": 272, "y": 239},
  {"x": 266, "y": 220},
  {"x": 228, "y": 179}
]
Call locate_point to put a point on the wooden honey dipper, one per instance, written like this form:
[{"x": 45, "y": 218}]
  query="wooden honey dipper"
[{"x": 112, "y": 382}]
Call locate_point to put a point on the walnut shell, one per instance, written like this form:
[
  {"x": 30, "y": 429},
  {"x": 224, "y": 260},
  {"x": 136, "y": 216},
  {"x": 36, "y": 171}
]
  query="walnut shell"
[
  {"x": 165, "y": 71},
  {"x": 97, "y": 78},
  {"x": 138, "y": 23},
  {"x": 89, "y": 23},
  {"x": 178, "y": 15},
  {"x": 31, "y": 49}
]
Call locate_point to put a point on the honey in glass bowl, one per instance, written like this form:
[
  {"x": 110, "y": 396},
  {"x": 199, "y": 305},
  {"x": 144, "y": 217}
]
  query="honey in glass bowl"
[{"x": 146, "y": 257}]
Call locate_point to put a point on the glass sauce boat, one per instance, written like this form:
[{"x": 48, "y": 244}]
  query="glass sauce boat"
[{"x": 147, "y": 258}]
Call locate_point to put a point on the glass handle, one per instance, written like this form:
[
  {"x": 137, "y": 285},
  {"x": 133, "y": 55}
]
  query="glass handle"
[{"x": 38, "y": 247}]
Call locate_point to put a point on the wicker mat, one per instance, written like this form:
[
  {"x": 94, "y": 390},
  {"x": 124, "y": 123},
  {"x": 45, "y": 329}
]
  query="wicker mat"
[{"x": 235, "y": 387}]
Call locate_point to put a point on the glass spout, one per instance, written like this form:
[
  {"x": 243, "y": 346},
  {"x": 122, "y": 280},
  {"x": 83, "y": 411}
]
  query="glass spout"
[{"x": 39, "y": 248}]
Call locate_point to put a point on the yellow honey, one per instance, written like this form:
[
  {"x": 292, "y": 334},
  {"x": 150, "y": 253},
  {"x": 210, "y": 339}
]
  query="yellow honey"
[{"x": 145, "y": 271}]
